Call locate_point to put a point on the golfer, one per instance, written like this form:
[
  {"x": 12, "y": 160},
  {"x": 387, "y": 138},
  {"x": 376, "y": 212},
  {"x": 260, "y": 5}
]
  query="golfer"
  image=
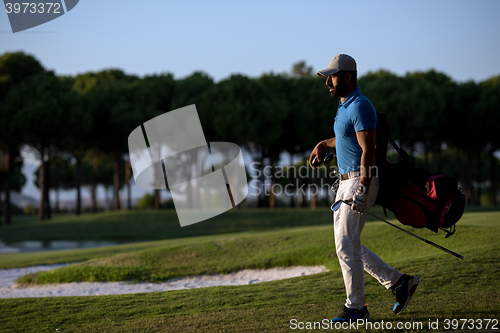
[{"x": 354, "y": 141}]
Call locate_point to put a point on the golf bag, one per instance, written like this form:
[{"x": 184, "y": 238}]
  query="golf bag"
[{"x": 417, "y": 197}]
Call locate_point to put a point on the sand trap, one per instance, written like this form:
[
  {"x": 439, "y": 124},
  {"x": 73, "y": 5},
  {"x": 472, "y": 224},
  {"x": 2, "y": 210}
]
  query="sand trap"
[{"x": 8, "y": 288}]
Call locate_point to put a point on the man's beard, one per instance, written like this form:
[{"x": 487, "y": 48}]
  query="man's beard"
[{"x": 340, "y": 90}]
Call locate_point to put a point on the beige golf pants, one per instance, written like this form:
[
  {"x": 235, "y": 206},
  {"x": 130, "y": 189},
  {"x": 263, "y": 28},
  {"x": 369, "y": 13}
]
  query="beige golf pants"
[{"x": 354, "y": 256}]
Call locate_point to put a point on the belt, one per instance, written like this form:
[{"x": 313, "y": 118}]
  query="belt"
[{"x": 349, "y": 175}]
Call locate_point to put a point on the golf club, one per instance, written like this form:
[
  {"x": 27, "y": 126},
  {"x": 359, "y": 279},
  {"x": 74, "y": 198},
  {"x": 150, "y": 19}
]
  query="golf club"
[{"x": 338, "y": 203}]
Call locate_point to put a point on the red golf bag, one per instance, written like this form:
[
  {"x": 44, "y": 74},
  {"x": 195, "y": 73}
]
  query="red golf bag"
[{"x": 417, "y": 197}]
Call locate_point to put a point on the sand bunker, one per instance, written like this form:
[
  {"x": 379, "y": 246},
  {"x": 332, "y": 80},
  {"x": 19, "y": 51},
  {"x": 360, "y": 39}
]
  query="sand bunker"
[{"x": 8, "y": 288}]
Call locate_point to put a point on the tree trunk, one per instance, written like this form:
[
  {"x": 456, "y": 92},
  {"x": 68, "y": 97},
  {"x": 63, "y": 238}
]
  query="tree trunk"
[
  {"x": 471, "y": 199},
  {"x": 106, "y": 197},
  {"x": 78, "y": 184},
  {"x": 478, "y": 178},
  {"x": 57, "y": 193},
  {"x": 116, "y": 168},
  {"x": 304, "y": 199},
  {"x": 157, "y": 199},
  {"x": 262, "y": 180},
  {"x": 313, "y": 201},
  {"x": 41, "y": 185},
  {"x": 128, "y": 174},
  {"x": 46, "y": 188},
  {"x": 1, "y": 209},
  {"x": 6, "y": 187},
  {"x": 314, "y": 197},
  {"x": 292, "y": 199},
  {"x": 493, "y": 176},
  {"x": 458, "y": 157},
  {"x": 272, "y": 197},
  {"x": 93, "y": 189}
]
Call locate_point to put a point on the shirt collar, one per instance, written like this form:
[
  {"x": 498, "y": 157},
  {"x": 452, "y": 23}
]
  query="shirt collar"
[{"x": 352, "y": 96}]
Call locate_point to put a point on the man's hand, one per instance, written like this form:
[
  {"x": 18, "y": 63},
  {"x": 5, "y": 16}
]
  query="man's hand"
[
  {"x": 359, "y": 200},
  {"x": 320, "y": 147}
]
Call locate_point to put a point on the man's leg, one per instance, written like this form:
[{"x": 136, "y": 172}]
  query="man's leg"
[
  {"x": 376, "y": 267},
  {"x": 372, "y": 263},
  {"x": 348, "y": 225},
  {"x": 353, "y": 256}
]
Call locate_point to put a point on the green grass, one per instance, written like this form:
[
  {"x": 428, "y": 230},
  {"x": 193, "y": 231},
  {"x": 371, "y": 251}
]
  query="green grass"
[
  {"x": 204, "y": 255},
  {"x": 148, "y": 225},
  {"x": 161, "y": 260},
  {"x": 449, "y": 288}
]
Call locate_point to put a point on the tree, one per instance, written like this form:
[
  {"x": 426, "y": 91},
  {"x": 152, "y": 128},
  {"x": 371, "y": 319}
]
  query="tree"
[
  {"x": 14, "y": 69},
  {"x": 105, "y": 97},
  {"x": 310, "y": 111},
  {"x": 40, "y": 106},
  {"x": 153, "y": 96},
  {"x": 488, "y": 108},
  {"x": 300, "y": 69},
  {"x": 190, "y": 89},
  {"x": 146, "y": 201},
  {"x": 77, "y": 141},
  {"x": 62, "y": 176},
  {"x": 104, "y": 177},
  {"x": 12, "y": 164},
  {"x": 243, "y": 111}
]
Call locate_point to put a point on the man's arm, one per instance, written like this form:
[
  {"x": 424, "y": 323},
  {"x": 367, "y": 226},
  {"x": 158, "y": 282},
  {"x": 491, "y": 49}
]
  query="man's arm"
[
  {"x": 320, "y": 147},
  {"x": 366, "y": 140}
]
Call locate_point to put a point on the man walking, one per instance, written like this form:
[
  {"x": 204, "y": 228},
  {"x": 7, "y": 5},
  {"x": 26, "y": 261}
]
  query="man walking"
[{"x": 354, "y": 141}]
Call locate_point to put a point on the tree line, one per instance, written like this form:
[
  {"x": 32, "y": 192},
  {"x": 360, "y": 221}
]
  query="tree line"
[{"x": 78, "y": 125}]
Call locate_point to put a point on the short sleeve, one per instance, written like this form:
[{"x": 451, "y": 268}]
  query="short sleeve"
[{"x": 363, "y": 116}]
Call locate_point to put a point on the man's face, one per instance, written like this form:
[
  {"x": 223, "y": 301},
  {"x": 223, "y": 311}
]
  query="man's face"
[{"x": 338, "y": 87}]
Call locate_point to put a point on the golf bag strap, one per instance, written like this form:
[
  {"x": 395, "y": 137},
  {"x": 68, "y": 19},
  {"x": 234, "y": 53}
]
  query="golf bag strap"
[{"x": 400, "y": 151}]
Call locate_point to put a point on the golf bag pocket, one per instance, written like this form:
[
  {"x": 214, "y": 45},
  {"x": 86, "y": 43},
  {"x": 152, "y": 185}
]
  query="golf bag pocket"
[
  {"x": 410, "y": 213},
  {"x": 451, "y": 201},
  {"x": 441, "y": 187},
  {"x": 413, "y": 207}
]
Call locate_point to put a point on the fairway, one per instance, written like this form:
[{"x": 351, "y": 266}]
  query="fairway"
[
  {"x": 141, "y": 225},
  {"x": 449, "y": 288}
]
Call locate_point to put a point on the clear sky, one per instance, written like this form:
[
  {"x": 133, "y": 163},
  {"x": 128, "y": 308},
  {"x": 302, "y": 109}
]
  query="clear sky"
[{"x": 460, "y": 38}]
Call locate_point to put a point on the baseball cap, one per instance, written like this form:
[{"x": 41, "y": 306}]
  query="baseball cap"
[{"x": 341, "y": 62}]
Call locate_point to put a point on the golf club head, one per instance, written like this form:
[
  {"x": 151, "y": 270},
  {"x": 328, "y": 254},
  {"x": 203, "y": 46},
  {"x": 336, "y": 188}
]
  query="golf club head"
[
  {"x": 316, "y": 163},
  {"x": 336, "y": 205},
  {"x": 328, "y": 159}
]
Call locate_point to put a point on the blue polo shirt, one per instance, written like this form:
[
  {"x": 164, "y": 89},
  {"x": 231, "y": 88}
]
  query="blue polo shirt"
[{"x": 355, "y": 114}]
